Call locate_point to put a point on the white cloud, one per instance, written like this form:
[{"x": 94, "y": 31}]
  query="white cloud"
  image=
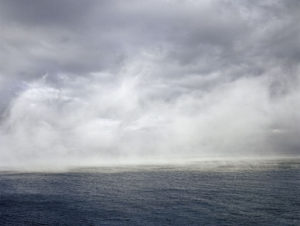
[{"x": 108, "y": 121}]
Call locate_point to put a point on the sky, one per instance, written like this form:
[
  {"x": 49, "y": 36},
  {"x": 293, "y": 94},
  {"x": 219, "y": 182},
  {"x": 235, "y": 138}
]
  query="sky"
[{"x": 108, "y": 82}]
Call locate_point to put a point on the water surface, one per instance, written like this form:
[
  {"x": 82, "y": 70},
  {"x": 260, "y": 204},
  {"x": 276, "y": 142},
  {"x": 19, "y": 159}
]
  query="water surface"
[{"x": 212, "y": 193}]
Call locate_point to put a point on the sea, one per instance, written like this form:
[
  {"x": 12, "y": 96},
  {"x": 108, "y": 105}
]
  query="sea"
[{"x": 200, "y": 193}]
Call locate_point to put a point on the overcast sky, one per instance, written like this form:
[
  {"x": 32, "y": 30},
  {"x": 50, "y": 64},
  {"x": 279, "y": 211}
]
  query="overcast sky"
[{"x": 93, "y": 81}]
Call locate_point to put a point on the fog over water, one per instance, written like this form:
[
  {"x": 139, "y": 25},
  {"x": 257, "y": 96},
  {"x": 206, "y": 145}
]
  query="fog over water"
[{"x": 109, "y": 82}]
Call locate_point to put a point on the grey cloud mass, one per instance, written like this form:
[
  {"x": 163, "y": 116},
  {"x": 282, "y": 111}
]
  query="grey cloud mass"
[{"x": 94, "y": 82}]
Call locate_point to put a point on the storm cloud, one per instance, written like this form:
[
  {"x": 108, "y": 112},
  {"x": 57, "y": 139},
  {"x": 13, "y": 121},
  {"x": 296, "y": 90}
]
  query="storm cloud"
[{"x": 107, "y": 82}]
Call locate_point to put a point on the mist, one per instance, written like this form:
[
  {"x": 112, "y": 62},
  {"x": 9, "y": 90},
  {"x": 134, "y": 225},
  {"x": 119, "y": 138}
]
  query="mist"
[{"x": 172, "y": 81}]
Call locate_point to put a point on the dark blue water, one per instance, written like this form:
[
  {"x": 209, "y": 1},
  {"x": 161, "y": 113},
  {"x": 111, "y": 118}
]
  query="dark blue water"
[{"x": 266, "y": 193}]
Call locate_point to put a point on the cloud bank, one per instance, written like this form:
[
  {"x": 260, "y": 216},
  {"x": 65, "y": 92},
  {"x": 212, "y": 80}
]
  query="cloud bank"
[{"x": 108, "y": 82}]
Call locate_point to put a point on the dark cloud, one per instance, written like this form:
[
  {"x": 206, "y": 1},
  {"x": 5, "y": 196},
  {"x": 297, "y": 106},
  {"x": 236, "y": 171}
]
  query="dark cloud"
[
  {"x": 81, "y": 37},
  {"x": 45, "y": 13}
]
